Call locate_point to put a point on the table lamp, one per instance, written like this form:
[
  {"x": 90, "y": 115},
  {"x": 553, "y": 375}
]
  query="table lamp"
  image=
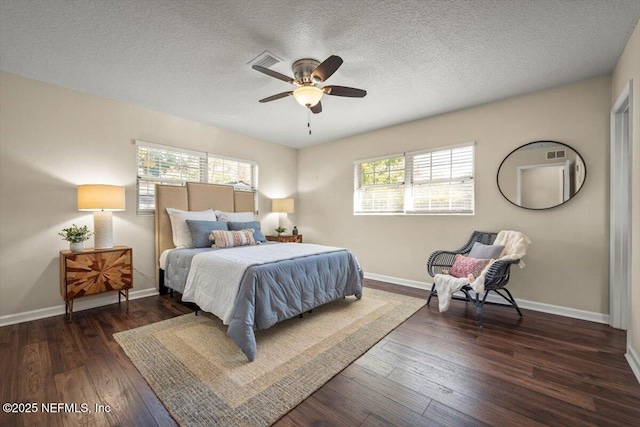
[
  {"x": 283, "y": 206},
  {"x": 103, "y": 199}
]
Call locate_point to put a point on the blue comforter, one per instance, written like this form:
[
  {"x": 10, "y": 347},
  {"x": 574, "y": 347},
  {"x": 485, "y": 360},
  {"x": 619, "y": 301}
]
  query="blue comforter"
[{"x": 277, "y": 291}]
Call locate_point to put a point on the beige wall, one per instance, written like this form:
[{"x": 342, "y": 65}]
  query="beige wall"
[
  {"x": 567, "y": 263},
  {"x": 628, "y": 68},
  {"x": 53, "y": 139}
]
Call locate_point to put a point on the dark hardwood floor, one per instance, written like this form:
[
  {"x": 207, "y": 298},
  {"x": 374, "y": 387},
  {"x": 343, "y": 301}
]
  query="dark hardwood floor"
[{"x": 435, "y": 369}]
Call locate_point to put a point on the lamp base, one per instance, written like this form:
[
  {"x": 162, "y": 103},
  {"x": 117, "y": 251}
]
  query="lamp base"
[
  {"x": 103, "y": 229},
  {"x": 283, "y": 220}
]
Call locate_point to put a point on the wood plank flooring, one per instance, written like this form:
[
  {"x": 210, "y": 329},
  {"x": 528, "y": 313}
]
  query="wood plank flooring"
[{"x": 434, "y": 370}]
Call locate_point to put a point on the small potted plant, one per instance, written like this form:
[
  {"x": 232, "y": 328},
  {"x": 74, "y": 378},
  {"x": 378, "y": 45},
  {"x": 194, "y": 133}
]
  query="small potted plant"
[
  {"x": 281, "y": 231},
  {"x": 76, "y": 236}
]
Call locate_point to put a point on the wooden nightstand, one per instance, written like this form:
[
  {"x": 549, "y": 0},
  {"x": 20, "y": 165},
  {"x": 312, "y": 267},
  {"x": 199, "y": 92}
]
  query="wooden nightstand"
[
  {"x": 94, "y": 271},
  {"x": 286, "y": 239}
]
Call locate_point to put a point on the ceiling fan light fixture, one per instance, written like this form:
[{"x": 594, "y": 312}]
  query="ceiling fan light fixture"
[
  {"x": 308, "y": 73},
  {"x": 308, "y": 96}
]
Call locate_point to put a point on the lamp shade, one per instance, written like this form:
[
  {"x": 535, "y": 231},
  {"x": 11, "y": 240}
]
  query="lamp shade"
[
  {"x": 308, "y": 96},
  {"x": 282, "y": 205},
  {"x": 95, "y": 197}
]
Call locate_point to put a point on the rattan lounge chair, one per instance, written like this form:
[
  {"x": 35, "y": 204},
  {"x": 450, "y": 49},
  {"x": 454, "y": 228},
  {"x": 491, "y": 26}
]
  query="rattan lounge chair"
[{"x": 496, "y": 277}]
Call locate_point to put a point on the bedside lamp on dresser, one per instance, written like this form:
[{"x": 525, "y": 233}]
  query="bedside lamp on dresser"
[
  {"x": 102, "y": 200},
  {"x": 103, "y": 268},
  {"x": 283, "y": 207}
]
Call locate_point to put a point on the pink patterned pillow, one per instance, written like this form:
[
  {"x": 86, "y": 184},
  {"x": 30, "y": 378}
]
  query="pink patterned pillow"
[
  {"x": 463, "y": 266},
  {"x": 230, "y": 239}
]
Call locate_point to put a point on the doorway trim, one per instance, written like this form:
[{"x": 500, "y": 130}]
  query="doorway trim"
[
  {"x": 620, "y": 209},
  {"x": 563, "y": 184}
]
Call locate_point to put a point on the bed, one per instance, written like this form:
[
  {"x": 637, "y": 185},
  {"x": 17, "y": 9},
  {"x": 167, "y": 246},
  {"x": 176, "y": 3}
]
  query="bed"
[{"x": 252, "y": 287}]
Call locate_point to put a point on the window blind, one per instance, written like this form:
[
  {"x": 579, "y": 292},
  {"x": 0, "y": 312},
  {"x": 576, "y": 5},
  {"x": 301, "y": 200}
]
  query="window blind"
[
  {"x": 242, "y": 174},
  {"x": 441, "y": 181},
  {"x": 158, "y": 164},
  {"x": 161, "y": 164},
  {"x": 379, "y": 185},
  {"x": 438, "y": 181}
]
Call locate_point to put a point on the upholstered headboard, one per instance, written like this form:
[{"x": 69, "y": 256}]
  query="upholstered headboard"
[{"x": 195, "y": 196}]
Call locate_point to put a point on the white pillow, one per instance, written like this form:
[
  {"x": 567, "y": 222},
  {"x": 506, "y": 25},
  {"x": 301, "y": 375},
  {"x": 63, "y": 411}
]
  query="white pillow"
[
  {"x": 235, "y": 216},
  {"x": 179, "y": 228}
]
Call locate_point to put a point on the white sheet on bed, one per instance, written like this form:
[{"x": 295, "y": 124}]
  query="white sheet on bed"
[{"x": 214, "y": 277}]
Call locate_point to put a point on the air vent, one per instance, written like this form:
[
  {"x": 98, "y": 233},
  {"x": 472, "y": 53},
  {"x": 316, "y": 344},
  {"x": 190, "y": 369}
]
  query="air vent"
[
  {"x": 266, "y": 59},
  {"x": 559, "y": 154}
]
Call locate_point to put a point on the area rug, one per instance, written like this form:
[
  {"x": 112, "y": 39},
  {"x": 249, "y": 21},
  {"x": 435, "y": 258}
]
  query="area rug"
[{"x": 204, "y": 379}]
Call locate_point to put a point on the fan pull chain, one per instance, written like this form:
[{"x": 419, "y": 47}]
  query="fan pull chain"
[{"x": 309, "y": 119}]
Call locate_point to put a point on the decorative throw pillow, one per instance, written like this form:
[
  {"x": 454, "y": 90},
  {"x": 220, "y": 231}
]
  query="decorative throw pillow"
[
  {"x": 229, "y": 239},
  {"x": 463, "y": 266},
  {"x": 201, "y": 231},
  {"x": 481, "y": 251},
  {"x": 179, "y": 228},
  {"x": 255, "y": 225},
  {"x": 235, "y": 216}
]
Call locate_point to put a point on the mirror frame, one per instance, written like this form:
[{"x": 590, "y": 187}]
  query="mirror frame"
[{"x": 537, "y": 142}]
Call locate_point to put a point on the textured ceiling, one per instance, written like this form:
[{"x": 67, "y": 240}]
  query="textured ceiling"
[{"x": 416, "y": 59}]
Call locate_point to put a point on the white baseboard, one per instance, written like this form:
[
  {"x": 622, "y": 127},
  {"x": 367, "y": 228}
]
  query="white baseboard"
[
  {"x": 112, "y": 297},
  {"x": 574, "y": 313},
  {"x": 634, "y": 361},
  {"x": 398, "y": 281},
  {"x": 530, "y": 305},
  {"x": 84, "y": 303}
]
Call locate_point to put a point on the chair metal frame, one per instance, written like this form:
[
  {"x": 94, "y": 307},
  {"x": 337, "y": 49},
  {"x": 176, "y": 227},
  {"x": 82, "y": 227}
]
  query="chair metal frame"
[{"x": 496, "y": 278}]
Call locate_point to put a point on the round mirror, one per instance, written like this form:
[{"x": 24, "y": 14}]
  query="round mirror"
[{"x": 541, "y": 175}]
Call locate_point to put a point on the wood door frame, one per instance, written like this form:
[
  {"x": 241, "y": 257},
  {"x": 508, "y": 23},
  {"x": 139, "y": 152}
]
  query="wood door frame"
[{"x": 620, "y": 205}]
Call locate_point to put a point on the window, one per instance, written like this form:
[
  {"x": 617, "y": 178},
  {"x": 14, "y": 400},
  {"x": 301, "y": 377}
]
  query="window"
[
  {"x": 380, "y": 185},
  {"x": 438, "y": 181},
  {"x": 160, "y": 164},
  {"x": 243, "y": 175}
]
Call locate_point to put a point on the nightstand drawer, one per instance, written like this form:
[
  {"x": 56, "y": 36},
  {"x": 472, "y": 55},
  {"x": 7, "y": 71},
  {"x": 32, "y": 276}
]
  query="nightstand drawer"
[
  {"x": 297, "y": 238},
  {"x": 94, "y": 272},
  {"x": 88, "y": 274}
]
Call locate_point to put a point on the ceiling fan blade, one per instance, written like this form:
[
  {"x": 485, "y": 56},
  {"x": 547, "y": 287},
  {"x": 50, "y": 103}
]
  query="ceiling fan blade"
[
  {"x": 317, "y": 109},
  {"x": 277, "y": 96},
  {"x": 327, "y": 68},
  {"x": 275, "y": 74},
  {"x": 351, "y": 92}
]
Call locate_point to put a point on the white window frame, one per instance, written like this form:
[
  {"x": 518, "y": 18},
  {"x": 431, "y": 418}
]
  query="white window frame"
[
  {"x": 205, "y": 159},
  {"x": 252, "y": 185},
  {"x": 409, "y": 184},
  {"x": 357, "y": 185}
]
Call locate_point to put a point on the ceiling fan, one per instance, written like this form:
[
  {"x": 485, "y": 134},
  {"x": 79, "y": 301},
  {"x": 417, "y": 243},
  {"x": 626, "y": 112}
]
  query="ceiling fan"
[{"x": 309, "y": 73}]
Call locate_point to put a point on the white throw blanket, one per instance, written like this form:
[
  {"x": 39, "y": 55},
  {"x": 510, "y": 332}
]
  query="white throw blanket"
[
  {"x": 214, "y": 277},
  {"x": 515, "y": 247}
]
